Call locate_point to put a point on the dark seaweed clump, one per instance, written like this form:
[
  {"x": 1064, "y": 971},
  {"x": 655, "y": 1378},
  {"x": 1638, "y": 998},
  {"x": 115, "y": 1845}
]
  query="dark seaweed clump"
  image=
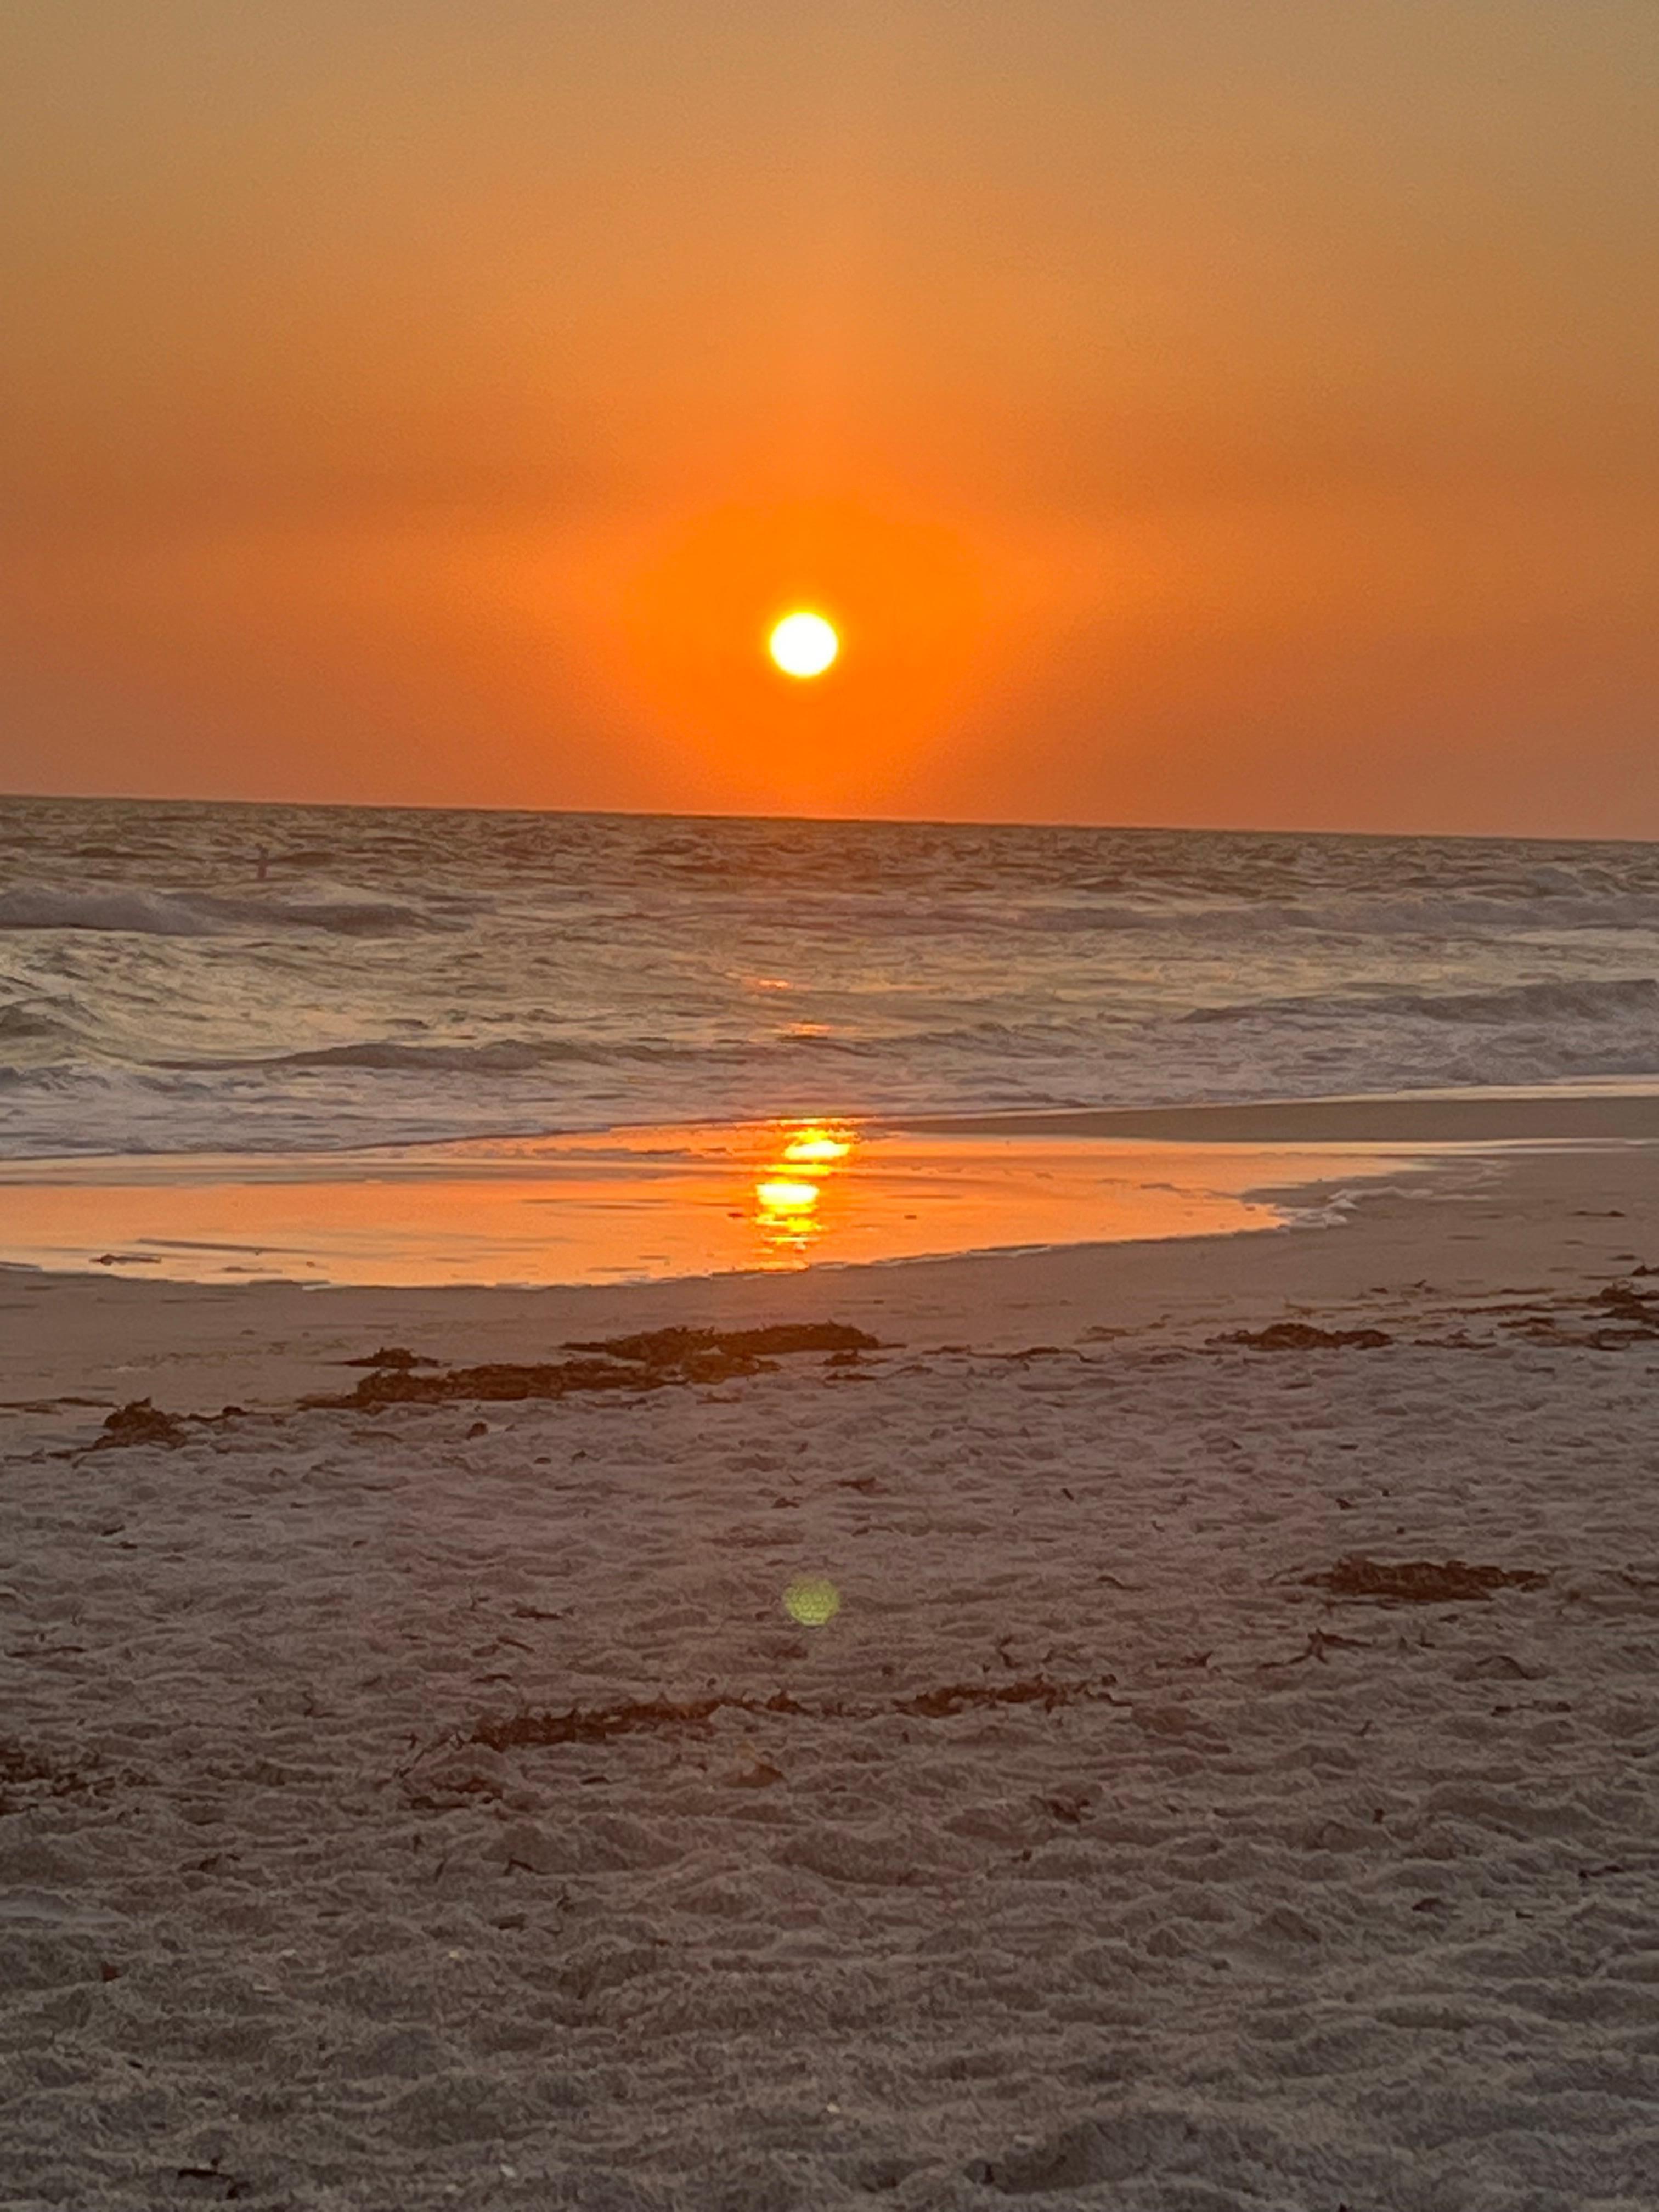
[
  {"x": 600, "y": 1724},
  {"x": 1302, "y": 1336},
  {"x": 649, "y": 1361},
  {"x": 1419, "y": 1582},
  {"x": 140, "y": 1423}
]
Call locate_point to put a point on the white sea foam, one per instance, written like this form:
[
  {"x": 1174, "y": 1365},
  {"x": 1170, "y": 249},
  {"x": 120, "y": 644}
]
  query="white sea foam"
[
  {"x": 129, "y": 913},
  {"x": 139, "y": 912},
  {"x": 1590, "y": 1000}
]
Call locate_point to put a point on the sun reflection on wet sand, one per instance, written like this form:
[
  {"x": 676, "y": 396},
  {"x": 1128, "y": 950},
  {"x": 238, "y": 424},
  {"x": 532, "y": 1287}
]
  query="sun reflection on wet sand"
[
  {"x": 788, "y": 1202},
  {"x": 819, "y": 1145},
  {"x": 786, "y": 1215},
  {"x": 645, "y": 1204}
]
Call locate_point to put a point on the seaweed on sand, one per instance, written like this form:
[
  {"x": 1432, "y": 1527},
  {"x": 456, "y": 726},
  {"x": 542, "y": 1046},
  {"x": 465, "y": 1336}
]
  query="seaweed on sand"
[
  {"x": 679, "y": 1347},
  {"x": 1302, "y": 1336},
  {"x": 499, "y": 1381},
  {"x": 1626, "y": 1303},
  {"x": 28, "y": 1776},
  {"x": 1616, "y": 1318},
  {"x": 1419, "y": 1582},
  {"x": 140, "y": 1423},
  {"x": 19, "y": 1765},
  {"x": 599, "y": 1724},
  {"x": 648, "y": 1362}
]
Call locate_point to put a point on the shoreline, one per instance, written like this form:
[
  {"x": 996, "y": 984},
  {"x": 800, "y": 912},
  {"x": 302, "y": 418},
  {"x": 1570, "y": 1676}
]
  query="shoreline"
[
  {"x": 702, "y": 1202},
  {"x": 1523, "y": 1223},
  {"x": 1590, "y": 1107},
  {"x": 1464, "y": 1219},
  {"x": 1554, "y": 1114}
]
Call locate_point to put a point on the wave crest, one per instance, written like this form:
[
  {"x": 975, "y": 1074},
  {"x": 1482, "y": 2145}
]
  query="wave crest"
[
  {"x": 1586, "y": 1002},
  {"x": 140, "y": 913},
  {"x": 134, "y": 913},
  {"x": 503, "y": 1056}
]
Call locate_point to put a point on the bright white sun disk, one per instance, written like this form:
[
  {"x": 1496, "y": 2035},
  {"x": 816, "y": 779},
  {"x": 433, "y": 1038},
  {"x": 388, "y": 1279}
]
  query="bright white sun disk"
[{"x": 803, "y": 645}]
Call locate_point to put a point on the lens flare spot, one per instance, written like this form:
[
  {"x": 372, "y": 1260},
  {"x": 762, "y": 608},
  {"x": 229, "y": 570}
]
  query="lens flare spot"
[{"x": 812, "y": 1599}]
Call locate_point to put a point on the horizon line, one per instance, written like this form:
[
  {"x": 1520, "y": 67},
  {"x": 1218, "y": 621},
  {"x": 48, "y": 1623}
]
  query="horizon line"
[{"x": 838, "y": 821}]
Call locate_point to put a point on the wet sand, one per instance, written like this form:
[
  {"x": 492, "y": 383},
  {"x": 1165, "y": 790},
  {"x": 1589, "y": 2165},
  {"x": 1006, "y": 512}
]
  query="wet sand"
[
  {"x": 1620, "y": 1114},
  {"x": 646, "y": 1205}
]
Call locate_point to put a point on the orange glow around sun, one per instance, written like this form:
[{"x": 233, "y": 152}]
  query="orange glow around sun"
[{"x": 895, "y": 610}]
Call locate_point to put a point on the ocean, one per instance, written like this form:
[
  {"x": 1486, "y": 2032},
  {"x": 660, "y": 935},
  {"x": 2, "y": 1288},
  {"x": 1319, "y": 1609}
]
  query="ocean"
[{"x": 179, "y": 977}]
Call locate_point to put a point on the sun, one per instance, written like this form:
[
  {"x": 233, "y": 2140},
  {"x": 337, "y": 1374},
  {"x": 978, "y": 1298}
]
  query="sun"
[{"x": 804, "y": 644}]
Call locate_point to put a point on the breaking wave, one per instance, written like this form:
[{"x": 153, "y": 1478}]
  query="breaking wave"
[
  {"x": 399, "y": 975},
  {"x": 133, "y": 913},
  {"x": 141, "y": 912},
  {"x": 503, "y": 1056},
  {"x": 1600, "y": 1001}
]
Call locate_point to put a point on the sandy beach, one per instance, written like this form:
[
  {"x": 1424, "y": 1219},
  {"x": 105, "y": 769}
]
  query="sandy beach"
[
  {"x": 828, "y": 1107},
  {"x": 433, "y": 1799}
]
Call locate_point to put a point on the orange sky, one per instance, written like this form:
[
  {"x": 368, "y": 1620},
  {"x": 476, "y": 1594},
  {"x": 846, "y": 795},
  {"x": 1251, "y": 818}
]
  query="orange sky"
[{"x": 1222, "y": 411}]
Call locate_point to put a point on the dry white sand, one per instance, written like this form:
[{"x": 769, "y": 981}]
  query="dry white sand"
[{"x": 1280, "y": 1899}]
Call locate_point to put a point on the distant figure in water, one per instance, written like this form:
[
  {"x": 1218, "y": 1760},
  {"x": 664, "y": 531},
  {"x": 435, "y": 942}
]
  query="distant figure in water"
[{"x": 265, "y": 863}]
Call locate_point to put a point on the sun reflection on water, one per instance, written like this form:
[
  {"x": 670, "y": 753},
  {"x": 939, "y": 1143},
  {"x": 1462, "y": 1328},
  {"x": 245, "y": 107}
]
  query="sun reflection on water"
[
  {"x": 789, "y": 1212},
  {"x": 817, "y": 1145}
]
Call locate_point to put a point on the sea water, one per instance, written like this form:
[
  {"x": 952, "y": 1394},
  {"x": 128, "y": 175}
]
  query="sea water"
[{"x": 220, "y": 978}]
